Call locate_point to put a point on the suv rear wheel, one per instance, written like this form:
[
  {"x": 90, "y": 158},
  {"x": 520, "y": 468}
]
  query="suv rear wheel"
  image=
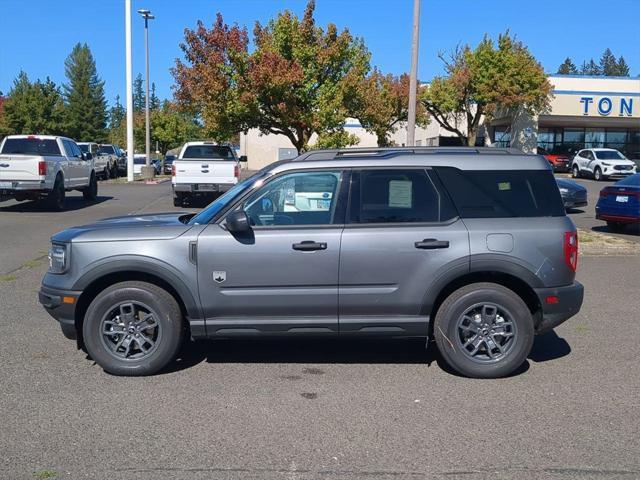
[
  {"x": 484, "y": 330},
  {"x": 133, "y": 328}
]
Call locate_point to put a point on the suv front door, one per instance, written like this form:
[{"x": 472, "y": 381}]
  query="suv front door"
[
  {"x": 401, "y": 238},
  {"x": 281, "y": 277}
]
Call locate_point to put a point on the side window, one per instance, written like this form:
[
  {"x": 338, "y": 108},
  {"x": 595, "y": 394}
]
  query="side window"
[
  {"x": 398, "y": 196},
  {"x": 583, "y": 154},
  {"x": 305, "y": 198},
  {"x": 590, "y": 156},
  {"x": 68, "y": 148}
]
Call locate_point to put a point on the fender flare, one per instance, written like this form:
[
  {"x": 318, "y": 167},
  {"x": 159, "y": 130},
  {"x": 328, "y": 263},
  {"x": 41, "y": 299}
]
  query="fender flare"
[{"x": 148, "y": 265}]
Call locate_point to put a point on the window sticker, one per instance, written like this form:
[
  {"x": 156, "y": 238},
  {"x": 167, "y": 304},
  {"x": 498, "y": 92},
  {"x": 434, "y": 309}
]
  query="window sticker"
[
  {"x": 400, "y": 193},
  {"x": 504, "y": 186}
]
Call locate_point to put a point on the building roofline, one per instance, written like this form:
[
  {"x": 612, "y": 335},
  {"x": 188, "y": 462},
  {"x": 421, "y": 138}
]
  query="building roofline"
[{"x": 600, "y": 77}]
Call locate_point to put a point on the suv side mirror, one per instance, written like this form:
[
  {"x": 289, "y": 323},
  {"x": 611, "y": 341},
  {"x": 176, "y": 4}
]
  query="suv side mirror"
[
  {"x": 238, "y": 222},
  {"x": 243, "y": 158},
  {"x": 87, "y": 156}
]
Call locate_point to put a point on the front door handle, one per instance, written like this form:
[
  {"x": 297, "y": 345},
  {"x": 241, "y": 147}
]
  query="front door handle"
[
  {"x": 309, "y": 246},
  {"x": 431, "y": 244}
]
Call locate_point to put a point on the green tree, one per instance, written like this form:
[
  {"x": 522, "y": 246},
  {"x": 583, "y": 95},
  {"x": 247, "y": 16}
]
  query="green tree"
[
  {"x": 298, "y": 80},
  {"x": 382, "y": 103},
  {"x": 492, "y": 77},
  {"x": 117, "y": 125},
  {"x": 622, "y": 69},
  {"x": 86, "y": 107},
  {"x": 567, "y": 67},
  {"x": 154, "y": 101},
  {"x": 139, "y": 97},
  {"x": 590, "y": 68},
  {"x": 4, "y": 127},
  {"x": 339, "y": 138},
  {"x": 608, "y": 64},
  {"x": 35, "y": 108},
  {"x": 171, "y": 128}
]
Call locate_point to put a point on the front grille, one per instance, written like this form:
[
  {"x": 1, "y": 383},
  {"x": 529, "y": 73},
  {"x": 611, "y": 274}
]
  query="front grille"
[
  {"x": 622, "y": 167},
  {"x": 580, "y": 196}
]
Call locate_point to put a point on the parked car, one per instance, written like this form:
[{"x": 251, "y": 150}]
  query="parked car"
[
  {"x": 204, "y": 169},
  {"x": 168, "y": 163},
  {"x": 573, "y": 194},
  {"x": 35, "y": 167},
  {"x": 558, "y": 162},
  {"x": 115, "y": 155},
  {"x": 601, "y": 163},
  {"x": 619, "y": 204},
  {"x": 470, "y": 246},
  {"x": 102, "y": 163},
  {"x": 139, "y": 161}
]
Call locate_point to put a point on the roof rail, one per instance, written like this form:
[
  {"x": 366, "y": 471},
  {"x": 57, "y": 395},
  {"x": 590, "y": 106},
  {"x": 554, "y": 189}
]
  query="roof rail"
[{"x": 386, "y": 152}]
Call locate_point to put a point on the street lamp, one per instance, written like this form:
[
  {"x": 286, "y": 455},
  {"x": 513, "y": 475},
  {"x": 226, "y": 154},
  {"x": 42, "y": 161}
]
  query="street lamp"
[{"x": 148, "y": 172}]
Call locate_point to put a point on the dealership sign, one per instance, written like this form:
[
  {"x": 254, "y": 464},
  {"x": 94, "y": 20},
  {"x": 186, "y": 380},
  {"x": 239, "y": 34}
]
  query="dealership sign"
[{"x": 605, "y": 106}]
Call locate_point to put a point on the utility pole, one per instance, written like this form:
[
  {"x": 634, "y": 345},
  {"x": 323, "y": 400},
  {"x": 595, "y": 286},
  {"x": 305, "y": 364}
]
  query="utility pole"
[
  {"x": 413, "y": 76},
  {"x": 129, "y": 78},
  {"x": 149, "y": 172}
]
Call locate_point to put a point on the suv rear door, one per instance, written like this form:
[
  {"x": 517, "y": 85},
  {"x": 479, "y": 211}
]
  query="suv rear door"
[
  {"x": 402, "y": 236},
  {"x": 283, "y": 277}
]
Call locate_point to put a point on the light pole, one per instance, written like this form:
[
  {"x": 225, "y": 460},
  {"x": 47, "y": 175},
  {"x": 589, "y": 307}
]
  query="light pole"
[
  {"x": 129, "y": 101},
  {"x": 148, "y": 171},
  {"x": 413, "y": 76}
]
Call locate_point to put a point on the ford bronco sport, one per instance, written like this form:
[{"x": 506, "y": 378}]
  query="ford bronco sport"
[{"x": 470, "y": 246}]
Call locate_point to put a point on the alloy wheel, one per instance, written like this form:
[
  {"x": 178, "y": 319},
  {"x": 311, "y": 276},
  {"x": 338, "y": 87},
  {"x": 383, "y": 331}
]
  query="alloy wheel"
[
  {"x": 486, "y": 333},
  {"x": 130, "y": 331}
]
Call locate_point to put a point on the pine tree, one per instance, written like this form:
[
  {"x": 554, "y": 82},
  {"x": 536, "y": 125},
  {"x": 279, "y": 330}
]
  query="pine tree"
[
  {"x": 86, "y": 110},
  {"x": 608, "y": 64},
  {"x": 567, "y": 68},
  {"x": 139, "y": 97},
  {"x": 34, "y": 108},
  {"x": 116, "y": 114},
  {"x": 590, "y": 68},
  {"x": 154, "y": 101},
  {"x": 622, "y": 69}
]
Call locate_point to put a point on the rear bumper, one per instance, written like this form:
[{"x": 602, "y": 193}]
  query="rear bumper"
[
  {"x": 53, "y": 301},
  {"x": 23, "y": 186},
  {"x": 617, "y": 218},
  {"x": 202, "y": 189},
  {"x": 569, "y": 300}
]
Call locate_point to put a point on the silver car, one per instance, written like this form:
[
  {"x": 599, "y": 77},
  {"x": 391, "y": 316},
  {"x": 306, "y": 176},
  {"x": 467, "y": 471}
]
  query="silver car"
[{"x": 470, "y": 247}]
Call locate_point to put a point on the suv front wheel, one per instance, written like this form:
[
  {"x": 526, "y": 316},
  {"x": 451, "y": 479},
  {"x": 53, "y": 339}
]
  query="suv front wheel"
[
  {"x": 484, "y": 330},
  {"x": 133, "y": 328}
]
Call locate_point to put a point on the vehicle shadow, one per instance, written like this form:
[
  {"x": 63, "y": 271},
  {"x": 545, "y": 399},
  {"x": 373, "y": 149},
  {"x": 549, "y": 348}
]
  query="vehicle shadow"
[
  {"x": 546, "y": 347},
  {"x": 572, "y": 211},
  {"x": 72, "y": 203},
  {"x": 626, "y": 230}
]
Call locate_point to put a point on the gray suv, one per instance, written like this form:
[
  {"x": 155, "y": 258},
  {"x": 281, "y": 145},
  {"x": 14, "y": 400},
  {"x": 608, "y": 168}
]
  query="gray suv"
[{"x": 470, "y": 247}]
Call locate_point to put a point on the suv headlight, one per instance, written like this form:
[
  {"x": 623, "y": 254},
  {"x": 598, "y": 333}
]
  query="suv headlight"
[
  {"x": 58, "y": 258},
  {"x": 564, "y": 190},
  {"x": 606, "y": 164}
]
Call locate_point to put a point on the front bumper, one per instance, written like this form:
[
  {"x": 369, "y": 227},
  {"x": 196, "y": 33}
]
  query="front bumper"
[
  {"x": 200, "y": 188},
  {"x": 58, "y": 304},
  {"x": 568, "y": 303}
]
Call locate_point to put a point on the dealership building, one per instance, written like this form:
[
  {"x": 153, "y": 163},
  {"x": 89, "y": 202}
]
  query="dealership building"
[{"x": 585, "y": 111}]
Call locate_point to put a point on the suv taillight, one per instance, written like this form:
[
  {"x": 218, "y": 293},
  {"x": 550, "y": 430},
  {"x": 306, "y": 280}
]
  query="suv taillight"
[
  {"x": 42, "y": 168},
  {"x": 571, "y": 250},
  {"x": 236, "y": 171},
  {"x": 173, "y": 169}
]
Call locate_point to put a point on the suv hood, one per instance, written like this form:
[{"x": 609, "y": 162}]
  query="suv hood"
[
  {"x": 158, "y": 226},
  {"x": 618, "y": 162}
]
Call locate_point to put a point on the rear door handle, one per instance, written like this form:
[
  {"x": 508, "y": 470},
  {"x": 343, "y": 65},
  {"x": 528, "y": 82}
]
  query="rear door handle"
[
  {"x": 431, "y": 244},
  {"x": 309, "y": 246}
]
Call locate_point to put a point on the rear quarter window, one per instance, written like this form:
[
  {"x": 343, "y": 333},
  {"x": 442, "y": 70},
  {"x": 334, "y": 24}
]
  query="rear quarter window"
[
  {"x": 30, "y": 146},
  {"x": 503, "y": 193}
]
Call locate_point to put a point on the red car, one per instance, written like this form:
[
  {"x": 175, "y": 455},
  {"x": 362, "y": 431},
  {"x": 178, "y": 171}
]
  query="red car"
[{"x": 559, "y": 163}]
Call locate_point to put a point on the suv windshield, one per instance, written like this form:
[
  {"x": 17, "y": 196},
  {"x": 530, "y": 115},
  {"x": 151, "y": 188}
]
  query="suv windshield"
[
  {"x": 84, "y": 147},
  {"x": 108, "y": 149},
  {"x": 209, "y": 152},
  {"x": 30, "y": 146},
  {"x": 609, "y": 155},
  {"x": 212, "y": 210}
]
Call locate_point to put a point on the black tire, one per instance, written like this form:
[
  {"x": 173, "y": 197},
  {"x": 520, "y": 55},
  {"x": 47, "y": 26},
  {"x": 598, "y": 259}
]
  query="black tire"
[
  {"x": 106, "y": 175},
  {"x": 178, "y": 200},
  {"x": 615, "y": 226},
  {"x": 448, "y": 330},
  {"x": 166, "y": 313},
  {"x": 114, "y": 171},
  {"x": 597, "y": 174},
  {"x": 57, "y": 197},
  {"x": 90, "y": 193},
  {"x": 575, "y": 172}
]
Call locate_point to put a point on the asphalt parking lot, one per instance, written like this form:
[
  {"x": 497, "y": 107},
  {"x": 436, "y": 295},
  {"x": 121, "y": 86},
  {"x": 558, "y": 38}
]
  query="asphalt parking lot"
[{"x": 312, "y": 409}]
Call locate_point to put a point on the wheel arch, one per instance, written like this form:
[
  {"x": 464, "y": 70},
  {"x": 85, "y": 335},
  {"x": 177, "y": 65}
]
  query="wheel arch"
[
  {"x": 105, "y": 275},
  {"x": 507, "y": 279}
]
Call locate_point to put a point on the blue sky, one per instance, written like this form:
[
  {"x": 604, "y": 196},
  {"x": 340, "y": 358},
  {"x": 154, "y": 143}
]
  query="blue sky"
[{"x": 37, "y": 35}]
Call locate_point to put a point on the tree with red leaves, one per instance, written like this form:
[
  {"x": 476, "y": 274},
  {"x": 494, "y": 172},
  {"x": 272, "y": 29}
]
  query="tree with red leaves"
[{"x": 300, "y": 78}]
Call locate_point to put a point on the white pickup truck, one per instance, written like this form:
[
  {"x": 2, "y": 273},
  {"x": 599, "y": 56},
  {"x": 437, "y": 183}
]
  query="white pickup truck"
[
  {"x": 34, "y": 167},
  {"x": 204, "y": 169},
  {"x": 104, "y": 164}
]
